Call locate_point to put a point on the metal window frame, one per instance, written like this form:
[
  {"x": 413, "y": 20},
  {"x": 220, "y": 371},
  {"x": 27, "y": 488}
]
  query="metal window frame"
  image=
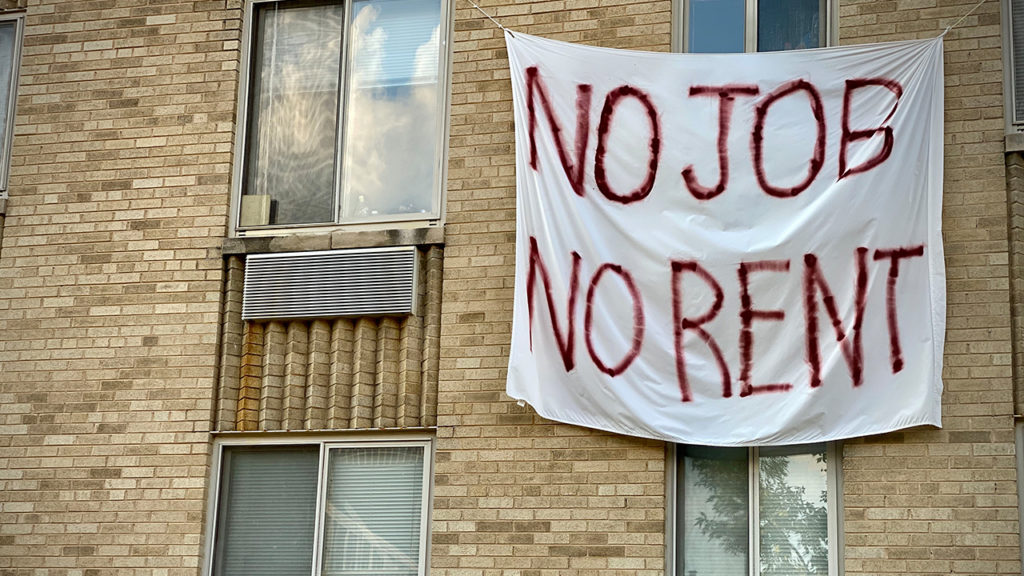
[
  {"x": 438, "y": 211},
  {"x": 680, "y": 31},
  {"x": 5, "y": 154},
  {"x": 834, "y": 486},
  {"x": 325, "y": 443}
]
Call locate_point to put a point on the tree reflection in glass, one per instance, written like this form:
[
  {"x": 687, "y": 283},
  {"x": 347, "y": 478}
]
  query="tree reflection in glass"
[{"x": 792, "y": 516}]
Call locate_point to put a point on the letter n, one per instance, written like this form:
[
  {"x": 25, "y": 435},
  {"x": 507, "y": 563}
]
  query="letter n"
[
  {"x": 573, "y": 167},
  {"x": 814, "y": 284},
  {"x": 566, "y": 342}
]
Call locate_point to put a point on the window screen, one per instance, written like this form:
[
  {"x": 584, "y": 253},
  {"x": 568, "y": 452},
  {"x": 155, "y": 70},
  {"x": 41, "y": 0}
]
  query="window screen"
[
  {"x": 793, "y": 510},
  {"x": 789, "y": 24}
]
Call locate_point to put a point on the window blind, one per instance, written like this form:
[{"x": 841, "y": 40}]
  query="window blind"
[
  {"x": 266, "y": 512},
  {"x": 394, "y": 42},
  {"x": 1017, "y": 34},
  {"x": 293, "y": 121},
  {"x": 373, "y": 511}
]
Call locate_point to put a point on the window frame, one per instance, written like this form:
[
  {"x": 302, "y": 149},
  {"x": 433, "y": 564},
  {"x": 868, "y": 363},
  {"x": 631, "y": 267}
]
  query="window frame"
[
  {"x": 834, "y": 483},
  {"x": 242, "y": 116},
  {"x": 5, "y": 154},
  {"x": 680, "y": 31},
  {"x": 325, "y": 443}
]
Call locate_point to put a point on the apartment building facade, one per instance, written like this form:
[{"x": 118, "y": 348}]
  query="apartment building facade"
[{"x": 256, "y": 275}]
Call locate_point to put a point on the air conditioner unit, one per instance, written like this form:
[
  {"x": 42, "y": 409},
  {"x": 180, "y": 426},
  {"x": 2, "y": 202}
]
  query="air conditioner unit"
[{"x": 331, "y": 283}]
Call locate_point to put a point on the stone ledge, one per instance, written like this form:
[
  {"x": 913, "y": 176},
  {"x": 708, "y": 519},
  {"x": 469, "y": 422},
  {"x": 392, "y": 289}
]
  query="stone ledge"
[
  {"x": 3, "y": 206},
  {"x": 1014, "y": 143},
  {"x": 333, "y": 241}
]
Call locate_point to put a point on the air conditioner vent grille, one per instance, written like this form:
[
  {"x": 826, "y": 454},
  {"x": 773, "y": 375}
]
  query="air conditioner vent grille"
[{"x": 371, "y": 282}]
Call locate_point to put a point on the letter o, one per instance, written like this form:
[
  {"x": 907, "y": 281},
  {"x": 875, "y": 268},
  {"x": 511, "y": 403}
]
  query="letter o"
[
  {"x": 638, "y": 319},
  {"x": 654, "y": 145},
  {"x": 757, "y": 138}
]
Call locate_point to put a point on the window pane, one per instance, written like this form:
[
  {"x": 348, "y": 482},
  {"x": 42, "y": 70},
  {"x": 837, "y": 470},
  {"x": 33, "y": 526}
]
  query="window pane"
[
  {"x": 715, "y": 26},
  {"x": 8, "y": 32},
  {"x": 793, "y": 515},
  {"x": 374, "y": 509},
  {"x": 715, "y": 510},
  {"x": 789, "y": 24},
  {"x": 266, "y": 512},
  {"x": 391, "y": 110},
  {"x": 292, "y": 131}
]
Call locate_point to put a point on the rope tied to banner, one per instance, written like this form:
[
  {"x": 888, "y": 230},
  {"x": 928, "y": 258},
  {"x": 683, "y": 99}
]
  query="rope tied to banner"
[
  {"x": 962, "y": 18},
  {"x": 496, "y": 23}
]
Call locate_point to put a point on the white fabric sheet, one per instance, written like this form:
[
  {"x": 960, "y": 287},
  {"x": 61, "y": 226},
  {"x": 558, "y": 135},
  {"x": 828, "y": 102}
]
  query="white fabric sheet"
[{"x": 799, "y": 298}]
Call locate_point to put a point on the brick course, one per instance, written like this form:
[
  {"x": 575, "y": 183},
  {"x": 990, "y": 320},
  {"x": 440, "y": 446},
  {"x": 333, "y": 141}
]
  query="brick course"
[
  {"x": 110, "y": 279},
  {"x": 515, "y": 492}
]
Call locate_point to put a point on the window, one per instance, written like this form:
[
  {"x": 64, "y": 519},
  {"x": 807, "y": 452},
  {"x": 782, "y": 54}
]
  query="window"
[
  {"x": 10, "y": 54},
  {"x": 342, "y": 117},
  {"x": 1014, "y": 59},
  {"x": 349, "y": 509},
  {"x": 765, "y": 511},
  {"x": 721, "y": 26}
]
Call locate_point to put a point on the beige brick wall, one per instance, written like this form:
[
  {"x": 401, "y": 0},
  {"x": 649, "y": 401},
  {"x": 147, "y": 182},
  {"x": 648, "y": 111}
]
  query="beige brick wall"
[
  {"x": 109, "y": 284},
  {"x": 921, "y": 501},
  {"x": 515, "y": 493},
  {"x": 944, "y": 502},
  {"x": 111, "y": 281}
]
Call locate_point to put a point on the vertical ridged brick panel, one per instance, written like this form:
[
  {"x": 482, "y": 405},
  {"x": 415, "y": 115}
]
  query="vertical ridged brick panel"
[
  {"x": 1015, "y": 199},
  {"x": 331, "y": 374}
]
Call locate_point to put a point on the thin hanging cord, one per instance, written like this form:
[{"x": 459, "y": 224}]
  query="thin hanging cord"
[
  {"x": 496, "y": 23},
  {"x": 962, "y": 18}
]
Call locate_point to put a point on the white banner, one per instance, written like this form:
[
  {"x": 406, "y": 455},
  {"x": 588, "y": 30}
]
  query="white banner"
[{"x": 729, "y": 249}]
